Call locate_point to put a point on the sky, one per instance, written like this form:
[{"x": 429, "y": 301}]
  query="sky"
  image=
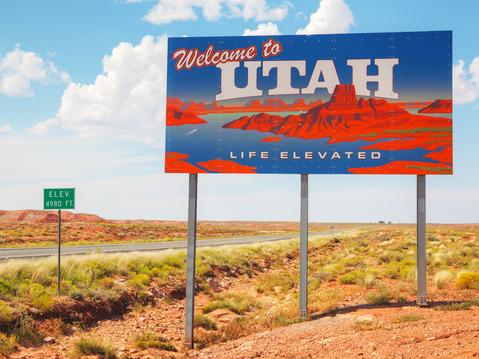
[{"x": 82, "y": 104}]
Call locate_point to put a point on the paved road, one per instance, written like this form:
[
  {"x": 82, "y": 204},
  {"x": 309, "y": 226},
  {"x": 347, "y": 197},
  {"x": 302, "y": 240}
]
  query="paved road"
[{"x": 32, "y": 252}]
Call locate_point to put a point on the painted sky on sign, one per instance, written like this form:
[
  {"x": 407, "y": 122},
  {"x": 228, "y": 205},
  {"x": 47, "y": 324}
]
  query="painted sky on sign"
[
  {"x": 423, "y": 72},
  {"x": 105, "y": 132}
]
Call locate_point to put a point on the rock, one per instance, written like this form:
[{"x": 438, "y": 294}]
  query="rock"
[{"x": 49, "y": 340}]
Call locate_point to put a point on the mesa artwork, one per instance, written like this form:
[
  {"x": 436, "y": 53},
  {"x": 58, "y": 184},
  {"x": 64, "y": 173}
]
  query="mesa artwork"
[{"x": 337, "y": 104}]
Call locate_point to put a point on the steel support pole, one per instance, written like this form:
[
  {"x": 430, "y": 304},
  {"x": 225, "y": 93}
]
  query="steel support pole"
[
  {"x": 59, "y": 250},
  {"x": 190, "y": 261},
  {"x": 421, "y": 241},
  {"x": 303, "y": 250}
]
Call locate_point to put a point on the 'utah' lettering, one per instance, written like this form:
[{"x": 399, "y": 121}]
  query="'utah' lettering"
[{"x": 324, "y": 76}]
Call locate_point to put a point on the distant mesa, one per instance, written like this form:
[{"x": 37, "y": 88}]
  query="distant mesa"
[
  {"x": 192, "y": 108},
  {"x": 176, "y": 116},
  {"x": 438, "y": 106},
  {"x": 271, "y": 139},
  {"x": 38, "y": 216},
  {"x": 343, "y": 115}
]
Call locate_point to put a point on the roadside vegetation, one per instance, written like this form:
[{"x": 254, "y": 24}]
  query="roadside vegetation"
[
  {"x": 244, "y": 289},
  {"x": 21, "y": 234}
]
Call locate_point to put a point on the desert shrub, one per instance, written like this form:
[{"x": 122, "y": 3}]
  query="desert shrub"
[
  {"x": 378, "y": 297},
  {"x": 39, "y": 296},
  {"x": 441, "y": 278},
  {"x": 202, "y": 321},
  {"x": 92, "y": 346},
  {"x": 139, "y": 281},
  {"x": 277, "y": 281},
  {"x": 6, "y": 288},
  {"x": 7, "y": 344},
  {"x": 6, "y": 313},
  {"x": 455, "y": 306},
  {"x": 352, "y": 278},
  {"x": 26, "y": 331},
  {"x": 237, "y": 302},
  {"x": 149, "y": 339},
  {"x": 468, "y": 280},
  {"x": 237, "y": 328},
  {"x": 364, "y": 324},
  {"x": 406, "y": 318}
]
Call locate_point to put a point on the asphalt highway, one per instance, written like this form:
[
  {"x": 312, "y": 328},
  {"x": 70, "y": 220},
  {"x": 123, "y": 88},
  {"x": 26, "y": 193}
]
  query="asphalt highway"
[{"x": 40, "y": 252}]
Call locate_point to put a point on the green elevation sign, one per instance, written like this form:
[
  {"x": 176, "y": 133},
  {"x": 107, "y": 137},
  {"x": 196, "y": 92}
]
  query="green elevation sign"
[{"x": 59, "y": 198}]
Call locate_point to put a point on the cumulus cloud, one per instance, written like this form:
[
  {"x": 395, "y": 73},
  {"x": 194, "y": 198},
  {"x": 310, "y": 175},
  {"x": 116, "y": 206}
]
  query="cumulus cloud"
[
  {"x": 265, "y": 28},
  {"x": 19, "y": 69},
  {"x": 466, "y": 81},
  {"x": 167, "y": 11},
  {"x": 5, "y": 128},
  {"x": 332, "y": 16},
  {"x": 126, "y": 101}
]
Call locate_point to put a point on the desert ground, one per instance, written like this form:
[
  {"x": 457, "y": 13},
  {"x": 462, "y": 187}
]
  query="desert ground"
[{"x": 362, "y": 289}]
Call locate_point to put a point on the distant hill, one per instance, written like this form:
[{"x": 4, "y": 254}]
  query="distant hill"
[{"x": 37, "y": 216}]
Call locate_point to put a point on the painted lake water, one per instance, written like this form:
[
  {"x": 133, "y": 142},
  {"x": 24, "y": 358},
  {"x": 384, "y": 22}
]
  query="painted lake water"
[{"x": 211, "y": 141}]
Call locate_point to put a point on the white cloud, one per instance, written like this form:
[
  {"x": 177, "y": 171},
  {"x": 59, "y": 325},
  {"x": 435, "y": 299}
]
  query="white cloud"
[
  {"x": 18, "y": 69},
  {"x": 466, "y": 82},
  {"x": 127, "y": 101},
  {"x": 332, "y": 16},
  {"x": 5, "y": 128},
  {"x": 265, "y": 28},
  {"x": 167, "y": 11}
]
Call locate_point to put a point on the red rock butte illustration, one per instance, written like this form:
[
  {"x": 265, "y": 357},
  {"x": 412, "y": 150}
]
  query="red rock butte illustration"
[
  {"x": 438, "y": 106},
  {"x": 345, "y": 119},
  {"x": 176, "y": 116}
]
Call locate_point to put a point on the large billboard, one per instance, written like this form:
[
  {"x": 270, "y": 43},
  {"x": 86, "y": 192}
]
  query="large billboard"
[{"x": 350, "y": 103}]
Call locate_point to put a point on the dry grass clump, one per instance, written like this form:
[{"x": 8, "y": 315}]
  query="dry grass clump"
[
  {"x": 467, "y": 280},
  {"x": 442, "y": 278},
  {"x": 150, "y": 339},
  {"x": 202, "y": 321},
  {"x": 91, "y": 346},
  {"x": 410, "y": 317},
  {"x": 237, "y": 302},
  {"x": 7, "y": 344}
]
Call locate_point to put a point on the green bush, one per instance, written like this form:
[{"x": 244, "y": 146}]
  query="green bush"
[
  {"x": 468, "y": 280},
  {"x": 238, "y": 303},
  {"x": 7, "y": 344},
  {"x": 202, "y": 321},
  {"x": 91, "y": 346},
  {"x": 26, "y": 331},
  {"x": 378, "y": 297},
  {"x": 39, "y": 296},
  {"x": 151, "y": 340},
  {"x": 139, "y": 281},
  {"x": 6, "y": 313}
]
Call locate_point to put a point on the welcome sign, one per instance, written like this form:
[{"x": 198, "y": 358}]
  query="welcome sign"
[{"x": 350, "y": 103}]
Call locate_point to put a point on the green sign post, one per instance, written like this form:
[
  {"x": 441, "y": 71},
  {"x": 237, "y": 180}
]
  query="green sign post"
[{"x": 58, "y": 199}]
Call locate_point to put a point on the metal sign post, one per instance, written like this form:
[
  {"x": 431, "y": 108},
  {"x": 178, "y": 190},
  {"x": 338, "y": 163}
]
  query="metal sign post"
[
  {"x": 59, "y": 250},
  {"x": 190, "y": 261},
  {"x": 303, "y": 249},
  {"x": 59, "y": 198},
  {"x": 421, "y": 241}
]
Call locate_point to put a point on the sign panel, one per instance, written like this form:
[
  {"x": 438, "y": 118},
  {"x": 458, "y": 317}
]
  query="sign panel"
[
  {"x": 59, "y": 198},
  {"x": 350, "y": 103}
]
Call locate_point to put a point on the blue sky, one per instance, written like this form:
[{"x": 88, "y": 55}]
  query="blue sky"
[{"x": 82, "y": 104}]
